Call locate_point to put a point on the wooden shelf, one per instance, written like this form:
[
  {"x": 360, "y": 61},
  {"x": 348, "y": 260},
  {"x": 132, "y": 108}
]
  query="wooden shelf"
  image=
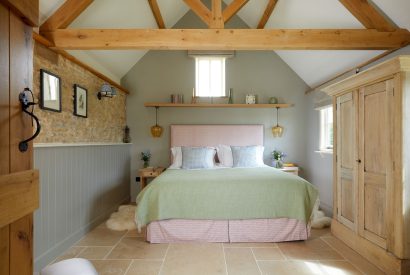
[{"x": 209, "y": 105}]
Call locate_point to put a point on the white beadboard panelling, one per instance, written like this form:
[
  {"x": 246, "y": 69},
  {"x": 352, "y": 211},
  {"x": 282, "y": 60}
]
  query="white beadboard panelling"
[{"x": 79, "y": 187}]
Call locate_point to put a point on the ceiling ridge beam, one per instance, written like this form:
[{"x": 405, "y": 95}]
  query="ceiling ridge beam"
[
  {"x": 267, "y": 13},
  {"x": 233, "y": 9},
  {"x": 45, "y": 42},
  {"x": 200, "y": 9},
  {"x": 228, "y": 39},
  {"x": 65, "y": 14},
  {"x": 157, "y": 13},
  {"x": 216, "y": 21},
  {"x": 368, "y": 15}
]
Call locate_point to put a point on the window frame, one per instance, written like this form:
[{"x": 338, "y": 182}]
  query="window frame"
[
  {"x": 223, "y": 73},
  {"x": 326, "y": 141}
]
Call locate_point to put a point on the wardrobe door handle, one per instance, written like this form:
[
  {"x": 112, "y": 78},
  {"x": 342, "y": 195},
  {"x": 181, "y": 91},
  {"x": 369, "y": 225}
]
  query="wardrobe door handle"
[{"x": 359, "y": 161}]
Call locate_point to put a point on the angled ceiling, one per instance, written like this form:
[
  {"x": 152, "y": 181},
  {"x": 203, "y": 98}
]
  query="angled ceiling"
[{"x": 313, "y": 67}]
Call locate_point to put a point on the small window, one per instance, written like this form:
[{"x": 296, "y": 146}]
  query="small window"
[
  {"x": 326, "y": 128},
  {"x": 210, "y": 76}
]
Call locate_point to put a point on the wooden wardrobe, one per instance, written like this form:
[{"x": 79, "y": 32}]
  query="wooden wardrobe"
[{"x": 371, "y": 201}]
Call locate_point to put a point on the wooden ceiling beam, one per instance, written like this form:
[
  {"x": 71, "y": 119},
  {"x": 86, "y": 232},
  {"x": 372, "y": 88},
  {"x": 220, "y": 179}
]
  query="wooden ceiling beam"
[
  {"x": 267, "y": 13},
  {"x": 233, "y": 9},
  {"x": 200, "y": 9},
  {"x": 368, "y": 15},
  {"x": 65, "y": 15},
  {"x": 157, "y": 13},
  {"x": 228, "y": 39},
  {"x": 217, "y": 21}
]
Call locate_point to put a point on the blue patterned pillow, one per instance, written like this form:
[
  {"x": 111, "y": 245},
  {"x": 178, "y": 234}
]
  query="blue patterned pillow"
[
  {"x": 245, "y": 156},
  {"x": 198, "y": 157}
]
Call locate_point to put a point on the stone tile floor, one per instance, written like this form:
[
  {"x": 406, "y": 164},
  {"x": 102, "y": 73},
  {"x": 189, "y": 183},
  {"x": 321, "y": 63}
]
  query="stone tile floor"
[{"x": 127, "y": 253}]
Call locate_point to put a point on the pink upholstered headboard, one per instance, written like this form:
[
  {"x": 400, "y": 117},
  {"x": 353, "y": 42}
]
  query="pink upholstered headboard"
[{"x": 212, "y": 135}]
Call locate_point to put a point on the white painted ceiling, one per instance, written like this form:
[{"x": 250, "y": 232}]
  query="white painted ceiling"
[{"x": 313, "y": 67}]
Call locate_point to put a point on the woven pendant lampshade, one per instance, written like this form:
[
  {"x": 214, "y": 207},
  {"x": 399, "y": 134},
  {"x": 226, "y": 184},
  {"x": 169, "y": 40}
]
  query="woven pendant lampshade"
[
  {"x": 156, "y": 130},
  {"x": 277, "y": 130}
]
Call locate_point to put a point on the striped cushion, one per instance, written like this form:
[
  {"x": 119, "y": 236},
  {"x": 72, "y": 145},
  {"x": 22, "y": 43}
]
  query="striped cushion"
[
  {"x": 246, "y": 156},
  {"x": 198, "y": 157}
]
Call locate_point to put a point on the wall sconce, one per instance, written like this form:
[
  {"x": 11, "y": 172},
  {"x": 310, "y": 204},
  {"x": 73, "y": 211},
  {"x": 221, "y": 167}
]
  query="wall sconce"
[
  {"x": 106, "y": 90},
  {"x": 156, "y": 130},
  {"x": 277, "y": 130}
]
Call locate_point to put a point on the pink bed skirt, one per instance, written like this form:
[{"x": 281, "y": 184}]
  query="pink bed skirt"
[{"x": 256, "y": 230}]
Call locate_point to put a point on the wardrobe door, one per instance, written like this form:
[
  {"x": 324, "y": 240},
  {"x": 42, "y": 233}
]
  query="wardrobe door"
[
  {"x": 346, "y": 172},
  {"x": 375, "y": 163}
]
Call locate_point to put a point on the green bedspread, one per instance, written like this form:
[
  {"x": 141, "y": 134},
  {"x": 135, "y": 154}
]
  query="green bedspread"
[{"x": 231, "y": 193}]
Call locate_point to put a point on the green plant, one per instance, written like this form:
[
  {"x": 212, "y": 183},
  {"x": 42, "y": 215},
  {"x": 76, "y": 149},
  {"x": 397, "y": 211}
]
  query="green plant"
[
  {"x": 146, "y": 156},
  {"x": 278, "y": 155}
]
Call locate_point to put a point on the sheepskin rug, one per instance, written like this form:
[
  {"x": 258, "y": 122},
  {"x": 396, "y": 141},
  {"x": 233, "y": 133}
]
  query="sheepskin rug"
[
  {"x": 319, "y": 220},
  {"x": 122, "y": 220}
]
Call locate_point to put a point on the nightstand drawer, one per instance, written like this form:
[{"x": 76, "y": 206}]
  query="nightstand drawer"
[{"x": 149, "y": 173}]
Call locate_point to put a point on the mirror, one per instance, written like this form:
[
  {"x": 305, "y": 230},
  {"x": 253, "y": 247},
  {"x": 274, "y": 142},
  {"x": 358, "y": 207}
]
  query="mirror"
[{"x": 50, "y": 91}]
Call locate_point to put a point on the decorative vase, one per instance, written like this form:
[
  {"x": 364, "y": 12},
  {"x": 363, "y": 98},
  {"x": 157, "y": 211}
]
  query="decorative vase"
[
  {"x": 278, "y": 164},
  {"x": 273, "y": 100},
  {"x": 127, "y": 138},
  {"x": 146, "y": 164},
  {"x": 230, "y": 96}
]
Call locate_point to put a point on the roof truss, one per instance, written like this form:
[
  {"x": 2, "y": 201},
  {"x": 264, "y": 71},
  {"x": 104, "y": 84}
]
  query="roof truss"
[
  {"x": 228, "y": 39},
  {"x": 233, "y": 9},
  {"x": 267, "y": 13},
  {"x": 368, "y": 15},
  {"x": 381, "y": 34},
  {"x": 157, "y": 13},
  {"x": 65, "y": 15}
]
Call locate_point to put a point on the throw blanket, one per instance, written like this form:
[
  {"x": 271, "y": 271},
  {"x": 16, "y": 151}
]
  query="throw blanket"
[{"x": 228, "y": 194}]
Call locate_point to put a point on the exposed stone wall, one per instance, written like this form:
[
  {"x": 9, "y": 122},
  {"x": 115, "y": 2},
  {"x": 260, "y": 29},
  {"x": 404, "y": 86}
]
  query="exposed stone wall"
[{"x": 106, "y": 118}]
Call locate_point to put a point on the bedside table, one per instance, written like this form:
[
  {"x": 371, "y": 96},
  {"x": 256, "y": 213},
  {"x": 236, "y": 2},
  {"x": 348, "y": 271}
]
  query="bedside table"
[
  {"x": 291, "y": 169},
  {"x": 146, "y": 173}
]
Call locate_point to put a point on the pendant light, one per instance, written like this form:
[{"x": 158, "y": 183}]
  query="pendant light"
[
  {"x": 277, "y": 130},
  {"x": 156, "y": 130}
]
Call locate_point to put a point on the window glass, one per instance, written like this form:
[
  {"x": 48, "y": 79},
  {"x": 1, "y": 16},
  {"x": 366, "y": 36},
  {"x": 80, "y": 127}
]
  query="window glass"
[
  {"x": 210, "y": 76},
  {"x": 326, "y": 128}
]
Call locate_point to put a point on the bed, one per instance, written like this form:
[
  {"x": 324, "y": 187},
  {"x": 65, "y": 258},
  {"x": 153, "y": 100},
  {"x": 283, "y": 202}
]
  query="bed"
[{"x": 258, "y": 204}]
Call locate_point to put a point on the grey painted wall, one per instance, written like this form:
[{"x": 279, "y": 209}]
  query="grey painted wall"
[
  {"x": 319, "y": 166},
  {"x": 79, "y": 187},
  {"x": 161, "y": 73}
]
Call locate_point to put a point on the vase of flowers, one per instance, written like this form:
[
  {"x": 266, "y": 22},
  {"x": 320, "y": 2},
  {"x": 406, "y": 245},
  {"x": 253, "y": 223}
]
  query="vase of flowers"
[
  {"x": 278, "y": 157},
  {"x": 146, "y": 156}
]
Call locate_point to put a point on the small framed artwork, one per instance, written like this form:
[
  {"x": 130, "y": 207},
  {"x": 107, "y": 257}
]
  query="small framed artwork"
[
  {"x": 50, "y": 91},
  {"x": 80, "y": 101}
]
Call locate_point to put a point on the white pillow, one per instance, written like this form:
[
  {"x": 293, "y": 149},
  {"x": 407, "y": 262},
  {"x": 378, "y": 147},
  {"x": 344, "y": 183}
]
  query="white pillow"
[
  {"x": 224, "y": 155},
  {"x": 176, "y": 158},
  {"x": 259, "y": 155}
]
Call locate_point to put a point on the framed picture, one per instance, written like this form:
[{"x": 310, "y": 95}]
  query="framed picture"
[
  {"x": 50, "y": 91},
  {"x": 80, "y": 101}
]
